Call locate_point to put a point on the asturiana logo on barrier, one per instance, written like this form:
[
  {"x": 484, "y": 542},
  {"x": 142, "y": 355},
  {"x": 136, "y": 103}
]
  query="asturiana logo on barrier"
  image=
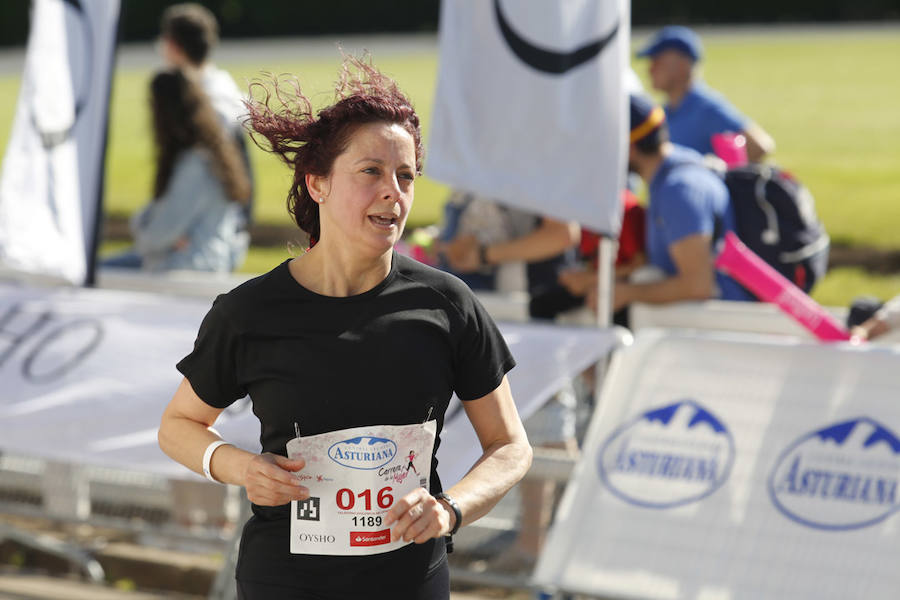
[
  {"x": 843, "y": 476},
  {"x": 364, "y": 452},
  {"x": 668, "y": 456}
]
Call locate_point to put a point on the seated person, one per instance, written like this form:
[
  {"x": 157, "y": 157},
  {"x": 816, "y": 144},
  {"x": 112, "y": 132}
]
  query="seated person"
[
  {"x": 695, "y": 112},
  {"x": 688, "y": 211},
  {"x": 188, "y": 35},
  {"x": 481, "y": 235},
  {"x": 885, "y": 319},
  {"x": 196, "y": 218},
  {"x": 630, "y": 253},
  {"x": 630, "y": 256}
]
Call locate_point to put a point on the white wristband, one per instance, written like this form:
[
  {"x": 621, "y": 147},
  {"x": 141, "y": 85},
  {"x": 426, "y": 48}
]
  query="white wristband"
[{"x": 207, "y": 457}]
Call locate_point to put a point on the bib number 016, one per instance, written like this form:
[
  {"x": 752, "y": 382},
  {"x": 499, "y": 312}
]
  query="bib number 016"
[{"x": 346, "y": 499}]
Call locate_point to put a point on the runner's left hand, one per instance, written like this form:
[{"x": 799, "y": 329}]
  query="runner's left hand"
[{"x": 419, "y": 517}]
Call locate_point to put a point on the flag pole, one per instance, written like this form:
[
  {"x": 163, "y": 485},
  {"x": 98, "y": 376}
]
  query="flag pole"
[
  {"x": 606, "y": 260},
  {"x": 95, "y": 233}
]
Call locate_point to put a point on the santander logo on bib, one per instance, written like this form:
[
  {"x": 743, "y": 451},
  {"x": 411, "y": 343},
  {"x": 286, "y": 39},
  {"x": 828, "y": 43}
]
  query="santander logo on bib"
[
  {"x": 364, "y": 452},
  {"x": 370, "y": 538}
]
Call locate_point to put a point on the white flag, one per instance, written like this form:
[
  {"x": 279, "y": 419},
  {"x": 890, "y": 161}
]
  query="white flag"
[
  {"x": 51, "y": 177},
  {"x": 530, "y": 107}
]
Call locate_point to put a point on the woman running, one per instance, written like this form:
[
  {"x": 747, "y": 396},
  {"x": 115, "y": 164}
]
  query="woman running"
[{"x": 353, "y": 341}]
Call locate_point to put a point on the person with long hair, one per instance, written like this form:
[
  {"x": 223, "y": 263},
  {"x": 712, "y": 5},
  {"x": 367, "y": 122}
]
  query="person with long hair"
[
  {"x": 188, "y": 36},
  {"x": 195, "y": 220},
  {"x": 359, "y": 348}
]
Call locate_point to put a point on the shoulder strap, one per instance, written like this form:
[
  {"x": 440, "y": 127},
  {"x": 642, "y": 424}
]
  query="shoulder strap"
[{"x": 771, "y": 235}]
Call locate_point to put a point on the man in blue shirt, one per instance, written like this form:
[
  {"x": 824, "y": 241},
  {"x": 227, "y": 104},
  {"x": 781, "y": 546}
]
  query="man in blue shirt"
[
  {"x": 695, "y": 112},
  {"x": 689, "y": 210}
]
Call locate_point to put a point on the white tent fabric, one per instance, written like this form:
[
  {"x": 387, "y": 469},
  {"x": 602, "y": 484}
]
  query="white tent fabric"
[
  {"x": 85, "y": 375},
  {"x": 52, "y": 172},
  {"x": 530, "y": 107},
  {"x": 730, "y": 466}
]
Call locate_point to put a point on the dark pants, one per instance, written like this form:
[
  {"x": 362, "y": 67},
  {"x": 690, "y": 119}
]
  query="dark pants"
[{"x": 436, "y": 586}]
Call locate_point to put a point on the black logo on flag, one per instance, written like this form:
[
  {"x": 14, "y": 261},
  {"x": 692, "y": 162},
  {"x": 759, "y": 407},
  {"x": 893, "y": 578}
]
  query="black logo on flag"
[{"x": 549, "y": 61}]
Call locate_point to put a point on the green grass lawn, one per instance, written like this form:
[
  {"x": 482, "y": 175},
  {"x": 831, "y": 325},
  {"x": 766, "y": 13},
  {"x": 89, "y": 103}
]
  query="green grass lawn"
[
  {"x": 840, "y": 286},
  {"x": 129, "y": 172},
  {"x": 829, "y": 100}
]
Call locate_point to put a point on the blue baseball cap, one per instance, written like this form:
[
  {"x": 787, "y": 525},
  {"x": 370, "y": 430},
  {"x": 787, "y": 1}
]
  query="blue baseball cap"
[{"x": 674, "y": 37}]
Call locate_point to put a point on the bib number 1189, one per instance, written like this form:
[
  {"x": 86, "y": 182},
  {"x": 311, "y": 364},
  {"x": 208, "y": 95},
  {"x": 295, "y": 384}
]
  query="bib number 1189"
[{"x": 346, "y": 499}]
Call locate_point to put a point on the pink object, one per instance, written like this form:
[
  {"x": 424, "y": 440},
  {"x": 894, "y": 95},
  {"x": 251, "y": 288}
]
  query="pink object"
[
  {"x": 771, "y": 286},
  {"x": 731, "y": 148},
  {"x": 421, "y": 254}
]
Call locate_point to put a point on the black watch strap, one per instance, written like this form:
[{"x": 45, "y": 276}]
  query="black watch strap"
[
  {"x": 454, "y": 507},
  {"x": 482, "y": 255}
]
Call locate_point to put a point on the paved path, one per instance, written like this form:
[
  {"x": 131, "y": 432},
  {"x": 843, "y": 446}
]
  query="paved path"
[
  {"x": 36, "y": 587},
  {"x": 141, "y": 55}
]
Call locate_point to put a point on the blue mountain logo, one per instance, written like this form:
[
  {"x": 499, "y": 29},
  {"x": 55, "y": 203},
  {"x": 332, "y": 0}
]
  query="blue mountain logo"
[
  {"x": 840, "y": 432},
  {"x": 364, "y": 452},
  {"x": 667, "y": 456},
  {"x": 842, "y": 476},
  {"x": 701, "y": 416}
]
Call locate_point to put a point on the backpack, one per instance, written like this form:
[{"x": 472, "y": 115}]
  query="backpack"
[{"x": 775, "y": 217}]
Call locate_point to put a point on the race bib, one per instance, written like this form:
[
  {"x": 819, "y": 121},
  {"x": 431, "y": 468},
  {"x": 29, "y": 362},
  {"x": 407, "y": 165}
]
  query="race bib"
[{"x": 354, "y": 477}]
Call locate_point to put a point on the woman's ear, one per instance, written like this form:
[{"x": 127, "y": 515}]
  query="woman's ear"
[{"x": 318, "y": 187}]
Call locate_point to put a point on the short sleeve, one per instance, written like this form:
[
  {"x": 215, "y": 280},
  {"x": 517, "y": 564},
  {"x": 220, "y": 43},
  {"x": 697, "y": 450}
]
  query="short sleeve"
[
  {"x": 482, "y": 356},
  {"x": 684, "y": 212},
  {"x": 211, "y": 367},
  {"x": 722, "y": 116}
]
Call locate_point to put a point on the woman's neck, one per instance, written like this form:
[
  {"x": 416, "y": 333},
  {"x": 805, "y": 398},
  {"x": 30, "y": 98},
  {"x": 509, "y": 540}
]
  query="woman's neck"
[{"x": 336, "y": 272}]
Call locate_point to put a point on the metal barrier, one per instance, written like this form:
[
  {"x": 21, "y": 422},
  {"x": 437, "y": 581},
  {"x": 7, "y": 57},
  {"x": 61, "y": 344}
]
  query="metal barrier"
[
  {"x": 142, "y": 506},
  {"x": 197, "y": 516}
]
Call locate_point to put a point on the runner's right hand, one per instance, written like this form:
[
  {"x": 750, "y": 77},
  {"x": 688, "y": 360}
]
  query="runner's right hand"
[{"x": 270, "y": 480}]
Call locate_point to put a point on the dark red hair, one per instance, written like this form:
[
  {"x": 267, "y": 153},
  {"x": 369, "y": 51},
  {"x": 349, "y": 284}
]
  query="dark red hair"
[{"x": 309, "y": 143}]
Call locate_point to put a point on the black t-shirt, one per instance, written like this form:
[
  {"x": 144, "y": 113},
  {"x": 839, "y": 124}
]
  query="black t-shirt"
[{"x": 387, "y": 356}]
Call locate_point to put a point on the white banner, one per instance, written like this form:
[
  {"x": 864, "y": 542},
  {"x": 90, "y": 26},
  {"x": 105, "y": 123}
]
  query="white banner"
[
  {"x": 85, "y": 375},
  {"x": 52, "y": 172},
  {"x": 729, "y": 466},
  {"x": 530, "y": 106}
]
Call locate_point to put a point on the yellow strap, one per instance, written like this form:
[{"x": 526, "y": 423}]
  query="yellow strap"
[{"x": 657, "y": 116}]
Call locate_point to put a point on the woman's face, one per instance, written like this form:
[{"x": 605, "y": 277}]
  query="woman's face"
[{"x": 369, "y": 192}]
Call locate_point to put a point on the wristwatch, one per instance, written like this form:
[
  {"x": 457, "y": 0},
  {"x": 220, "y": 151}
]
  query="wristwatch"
[
  {"x": 454, "y": 507},
  {"x": 482, "y": 255}
]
